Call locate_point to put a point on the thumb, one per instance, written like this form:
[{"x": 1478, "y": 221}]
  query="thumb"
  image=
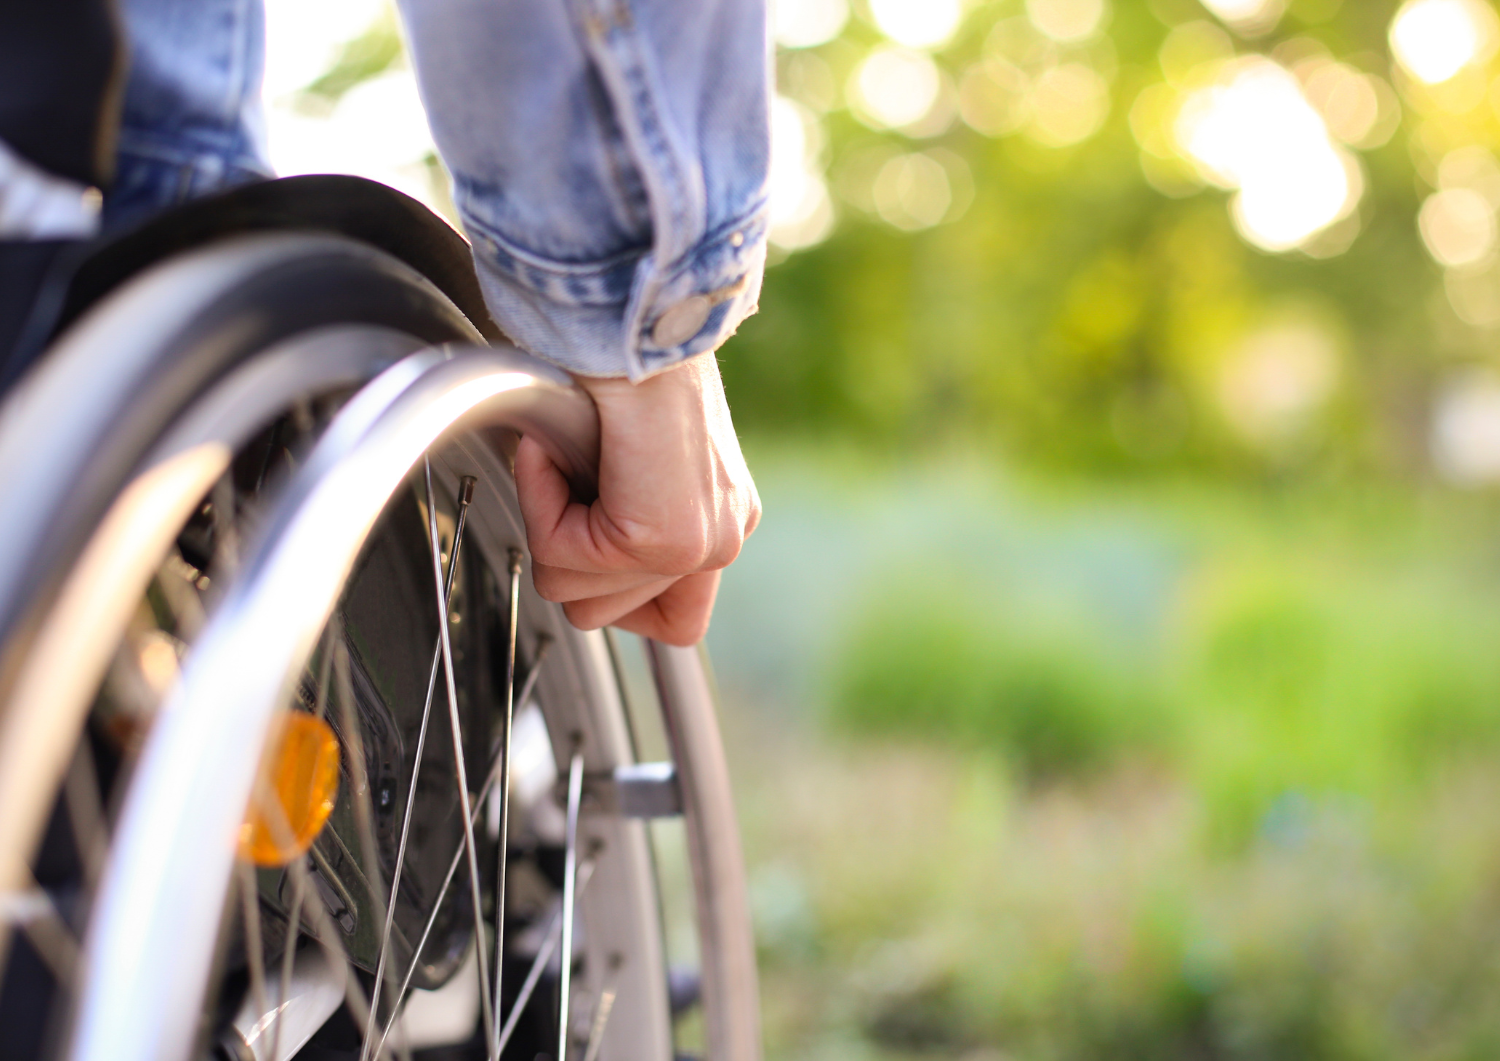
[{"x": 543, "y": 492}]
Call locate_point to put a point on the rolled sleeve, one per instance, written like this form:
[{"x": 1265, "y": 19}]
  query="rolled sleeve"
[{"x": 609, "y": 162}]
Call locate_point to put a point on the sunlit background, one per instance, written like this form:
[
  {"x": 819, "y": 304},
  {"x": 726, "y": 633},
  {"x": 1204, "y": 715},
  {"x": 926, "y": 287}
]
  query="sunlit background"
[{"x": 1117, "y": 670}]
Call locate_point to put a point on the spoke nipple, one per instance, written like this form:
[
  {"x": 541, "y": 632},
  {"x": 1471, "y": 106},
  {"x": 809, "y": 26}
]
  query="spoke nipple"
[
  {"x": 466, "y": 489},
  {"x": 515, "y": 560}
]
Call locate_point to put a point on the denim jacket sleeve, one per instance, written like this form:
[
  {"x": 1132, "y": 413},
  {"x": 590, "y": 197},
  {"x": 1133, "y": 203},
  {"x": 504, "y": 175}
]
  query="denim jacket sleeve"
[{"x": 609, "y": 162}]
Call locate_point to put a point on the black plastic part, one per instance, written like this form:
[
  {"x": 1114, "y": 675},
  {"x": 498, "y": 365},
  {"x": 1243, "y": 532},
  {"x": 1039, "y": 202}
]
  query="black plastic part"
[{"x": 76, "y": 276}]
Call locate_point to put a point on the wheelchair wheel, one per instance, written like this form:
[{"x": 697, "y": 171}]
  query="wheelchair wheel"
[{"x": 293, "y": 762}]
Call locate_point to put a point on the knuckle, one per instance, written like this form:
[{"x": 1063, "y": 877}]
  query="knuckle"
[{"x": 725, "y": 552}]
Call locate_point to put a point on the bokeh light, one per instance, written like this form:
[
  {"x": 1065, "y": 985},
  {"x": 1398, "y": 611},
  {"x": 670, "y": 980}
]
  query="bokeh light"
[
  {"x": 808, "y": 23},
  {"x": 1067, "y": 20},
  {"x": 1348, "y": 100},
  {"x": 1472, "y": 167},
  {"x": 1458, "y": 226},
  {"x": 303, "y": 40},
  {"x": 1435, "y": 39},
  {"x": 1191, "y": 48},
  {"x": 917, "y": 23},
  {"x": 894, "y": 87},
  {"x": 1274, "y": 382},
  {"x": 993, "y": 98},
  {"x": 1466, "y": 429},
  {"x": 1253, "y": 130},
  {"x": 1069, "y": 103},
  {"x": 1474, "y": 293},
  {"x": 912, "y": 192},
  {"x": 376, "y": 129},
  {"x": 801, "y": 212},
  {"x": 1249, "y": 17}
]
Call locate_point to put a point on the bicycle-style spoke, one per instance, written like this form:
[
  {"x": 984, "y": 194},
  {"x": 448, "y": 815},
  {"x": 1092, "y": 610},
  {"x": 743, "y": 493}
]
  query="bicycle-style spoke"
[
  {"x": 465, "y": 497},
  {"x": 492, "y": 775},
  {"x": 37, "y": 916},
  {"x": 602, "y": 1010},
  {"x": 327, "y": 934},
  {"x": 460, "y": 775},
  {"x": 543, "y": 956},
  {"x": 505, "y": 757},
  {"x": 255, "y": 953},
  {"x": 570, "y": 899}
]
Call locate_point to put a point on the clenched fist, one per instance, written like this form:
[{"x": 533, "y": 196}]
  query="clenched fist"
[{"x": 675, "y": 504}]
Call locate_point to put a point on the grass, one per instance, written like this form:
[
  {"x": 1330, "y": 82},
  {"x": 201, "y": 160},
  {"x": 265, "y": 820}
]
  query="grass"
[
  {"x": 1278, "y": 664},
  {"x": 1168, "y": 775},
  {"x": 919, "y": 902}
]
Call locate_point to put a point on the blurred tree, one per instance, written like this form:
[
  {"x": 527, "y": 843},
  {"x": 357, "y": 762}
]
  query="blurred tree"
[{"x": 1039, "y": 260}]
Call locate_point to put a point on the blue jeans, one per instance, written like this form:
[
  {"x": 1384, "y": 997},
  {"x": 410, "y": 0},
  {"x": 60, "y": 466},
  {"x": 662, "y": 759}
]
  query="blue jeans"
[{"x": 609, "y": 157}]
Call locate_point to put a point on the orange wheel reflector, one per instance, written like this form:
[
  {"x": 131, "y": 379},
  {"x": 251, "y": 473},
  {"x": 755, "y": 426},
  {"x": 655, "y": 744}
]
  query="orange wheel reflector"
[{"x": 295, "y": 790}]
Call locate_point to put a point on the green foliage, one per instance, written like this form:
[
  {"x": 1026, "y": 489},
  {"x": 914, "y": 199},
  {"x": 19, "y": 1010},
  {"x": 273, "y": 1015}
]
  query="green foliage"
[
  {"x": 373, "y": 52},
  {"x": 1079, "y": 922},
  {"x": 925, "y": 667},
  {"x": 1278, "y": 668},
  {"x": 1074, "y": 317}
]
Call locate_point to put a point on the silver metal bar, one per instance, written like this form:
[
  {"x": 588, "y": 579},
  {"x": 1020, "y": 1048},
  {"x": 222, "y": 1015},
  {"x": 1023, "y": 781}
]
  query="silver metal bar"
[
  {"x": 289, "y": 954},
  {"x": 510, "y": 710},
  {"x": 543, "y": 956},
  {"x": 634, "y": 790},
  {"x": 458, "y": 763},
  {"x": 570, "y": 898},
  {"x": 465, "y": 496}
]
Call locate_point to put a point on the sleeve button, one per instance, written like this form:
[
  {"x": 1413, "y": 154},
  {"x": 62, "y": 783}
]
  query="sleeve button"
[{"x": 680, "y": 323}]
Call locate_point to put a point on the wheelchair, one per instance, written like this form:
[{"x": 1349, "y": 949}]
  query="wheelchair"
[{"x": 293, "y": 760}]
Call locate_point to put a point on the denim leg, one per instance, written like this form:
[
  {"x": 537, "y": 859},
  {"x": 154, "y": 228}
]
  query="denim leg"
[{"x": 192, "y": 121}]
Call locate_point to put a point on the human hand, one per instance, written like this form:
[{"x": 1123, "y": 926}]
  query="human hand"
[{"x": 675, "y": 504}]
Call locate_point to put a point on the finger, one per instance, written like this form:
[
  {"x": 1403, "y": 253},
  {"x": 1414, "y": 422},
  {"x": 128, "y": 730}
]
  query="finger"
[
  {"x": 595, "y": 612},
  {"x": 542, "y": 491},
  {"x": 562, "y": 584},
  {"x": 562, "y": 533},
  {"x": 678, "y": 616}
]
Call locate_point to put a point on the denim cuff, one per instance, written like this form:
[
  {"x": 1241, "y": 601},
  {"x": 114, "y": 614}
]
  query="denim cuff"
[{"x": 629, "y": 315}]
